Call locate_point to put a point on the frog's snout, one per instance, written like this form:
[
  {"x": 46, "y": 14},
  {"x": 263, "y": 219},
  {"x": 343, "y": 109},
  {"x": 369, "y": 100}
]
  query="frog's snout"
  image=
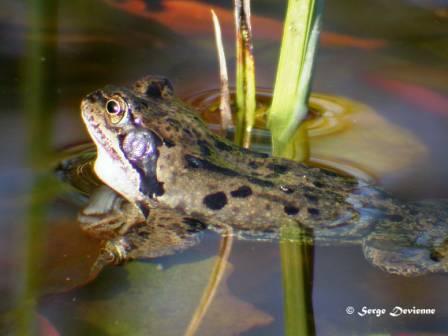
[{"x": 93, "y": 97}]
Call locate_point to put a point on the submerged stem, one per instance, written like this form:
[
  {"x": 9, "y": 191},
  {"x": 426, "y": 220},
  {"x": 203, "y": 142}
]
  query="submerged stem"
[
  {"x": 297, "y": 287},
  {"x": 213, "y": 283}
]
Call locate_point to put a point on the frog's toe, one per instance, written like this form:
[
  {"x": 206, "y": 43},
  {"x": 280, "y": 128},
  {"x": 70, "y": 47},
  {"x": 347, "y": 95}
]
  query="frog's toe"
[{"x": 114, "y": 252}]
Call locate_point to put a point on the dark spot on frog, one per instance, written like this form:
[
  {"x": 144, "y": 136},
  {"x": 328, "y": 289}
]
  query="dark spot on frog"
[
  {"x": 312, "y": 198},
  {"x": 168, "y": 143},
  {"x": 188, "y": 132},
  {"x": 241, "y": 192},
  {"x": 153, "y": 91},
  {"x": 254, "y": 165},
  {"x": 313, "y": 211},
  {"x": 267, "y": 207},
  {"x": 221, "y": 145},
  {"x": 215, "y": 201},
  {"x": 195, "y": 224},
  {"x": 204, "y": 148},
  {"x": 278, "y": 168},
  {"x": 260, "y": 182},
  {"x": 286, "y": 189},
  {"x": 291, "y": 210},
  {"x": 160, "y": 88},
  {"x": 253, "y": 153},
  {"x": 197, "y": 163},
  {"x": 318, "y": 184}
]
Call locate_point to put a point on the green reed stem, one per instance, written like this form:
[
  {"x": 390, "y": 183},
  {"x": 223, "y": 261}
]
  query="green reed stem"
[
  {"x": 245, "y": 74},
  {"x": 39, "y": 94},
  {"x": 297, "y": 287},
  {"x": 294, "y": 73}
]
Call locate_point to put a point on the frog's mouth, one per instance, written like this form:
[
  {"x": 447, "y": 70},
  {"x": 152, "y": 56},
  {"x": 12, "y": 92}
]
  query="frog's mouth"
[
  {"x": 111, "y": 165},
  {"x": 99, "y": 137}
]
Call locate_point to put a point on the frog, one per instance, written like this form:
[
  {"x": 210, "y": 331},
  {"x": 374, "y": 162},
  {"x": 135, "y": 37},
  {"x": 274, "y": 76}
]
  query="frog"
[{"x": 166, "y": 178}]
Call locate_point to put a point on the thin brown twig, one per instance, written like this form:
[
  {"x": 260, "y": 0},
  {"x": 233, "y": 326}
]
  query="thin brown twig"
[
  {"x": 224, "y": 106},
  {"x": 213, "y": 283}
]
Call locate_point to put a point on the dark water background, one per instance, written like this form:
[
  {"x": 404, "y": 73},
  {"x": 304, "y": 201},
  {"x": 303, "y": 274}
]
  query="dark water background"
[{"x": 390, "y": 55}]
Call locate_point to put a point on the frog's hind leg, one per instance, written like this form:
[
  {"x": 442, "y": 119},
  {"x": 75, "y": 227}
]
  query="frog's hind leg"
[
  {"x": 165, "y": 232},
  {"x": 412, "y": 244}
]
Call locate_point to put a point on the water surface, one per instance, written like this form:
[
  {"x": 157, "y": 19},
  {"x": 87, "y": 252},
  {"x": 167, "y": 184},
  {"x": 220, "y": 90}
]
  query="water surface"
[{"x": 390, "y": 56}]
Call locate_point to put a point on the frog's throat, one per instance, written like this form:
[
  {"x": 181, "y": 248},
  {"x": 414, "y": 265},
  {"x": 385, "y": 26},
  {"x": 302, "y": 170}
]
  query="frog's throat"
[
  {"x": 119, "y": 175},
  {"x": 111, "y": 165}
]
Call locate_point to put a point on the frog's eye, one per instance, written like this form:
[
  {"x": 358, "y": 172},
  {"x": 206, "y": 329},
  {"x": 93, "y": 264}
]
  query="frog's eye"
[
  {"x": 113, "y": 107},
  {"x": 116, "y": 109}
]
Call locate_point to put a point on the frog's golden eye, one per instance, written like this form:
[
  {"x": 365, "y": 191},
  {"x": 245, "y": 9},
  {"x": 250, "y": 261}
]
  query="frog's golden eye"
[{"x": 116, "y": 109}]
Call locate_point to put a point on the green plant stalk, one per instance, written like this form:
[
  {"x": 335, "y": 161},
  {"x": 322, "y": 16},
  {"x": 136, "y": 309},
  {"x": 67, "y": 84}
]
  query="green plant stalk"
[
  {"x": 245, "y": 74},
  {"x": 298, "y": 147},
  {"x": 297, "y": 282},
  {"x": 294, "y": 73},
  {"x": 38, "y": 97}
]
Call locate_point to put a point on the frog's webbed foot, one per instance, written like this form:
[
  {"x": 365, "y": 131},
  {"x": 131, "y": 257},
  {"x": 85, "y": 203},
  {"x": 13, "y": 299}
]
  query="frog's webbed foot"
[{"x": 413, "y": 246}]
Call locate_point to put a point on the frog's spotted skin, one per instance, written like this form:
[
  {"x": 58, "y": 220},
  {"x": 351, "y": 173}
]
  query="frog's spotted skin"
[{"x": 156, "y": 153}]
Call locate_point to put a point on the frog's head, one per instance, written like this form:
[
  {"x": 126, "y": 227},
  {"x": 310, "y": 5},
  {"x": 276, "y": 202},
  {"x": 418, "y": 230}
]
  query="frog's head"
[{"x": 123, "y": 122}]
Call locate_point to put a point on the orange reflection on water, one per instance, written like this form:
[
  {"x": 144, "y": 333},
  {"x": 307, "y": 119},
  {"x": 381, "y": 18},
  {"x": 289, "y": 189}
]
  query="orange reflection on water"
[{"x": 193, "y": 18}]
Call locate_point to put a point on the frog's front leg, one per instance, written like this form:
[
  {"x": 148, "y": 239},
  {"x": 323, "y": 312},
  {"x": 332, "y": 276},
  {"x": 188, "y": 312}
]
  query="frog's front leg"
[
  {"x": 128, "y": 235},
  {"x": 108, "y": 215},
  {"x": 164, "y": 233}
]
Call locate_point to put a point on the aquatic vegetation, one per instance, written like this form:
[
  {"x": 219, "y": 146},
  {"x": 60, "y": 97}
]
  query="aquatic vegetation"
[
  {"x": 294, "y": 73},
  {"x": 293, "y": 81},
  {"x": 245, "y": 74}
]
